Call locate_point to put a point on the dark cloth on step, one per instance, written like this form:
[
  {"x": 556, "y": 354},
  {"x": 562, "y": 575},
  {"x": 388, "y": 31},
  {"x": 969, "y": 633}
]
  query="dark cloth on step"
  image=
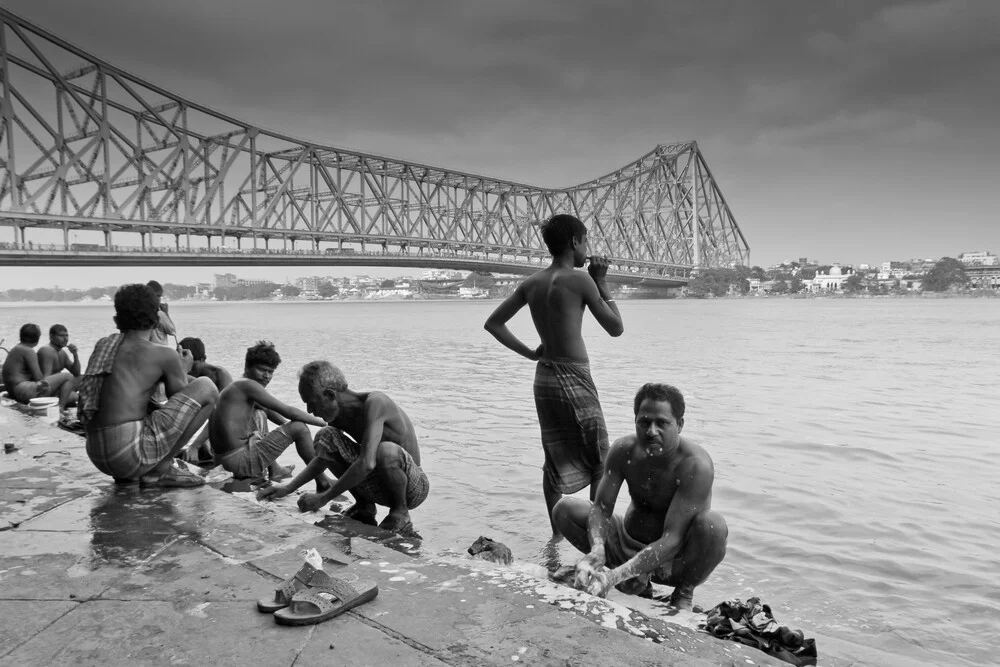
[{"x": 752, "y": 623}]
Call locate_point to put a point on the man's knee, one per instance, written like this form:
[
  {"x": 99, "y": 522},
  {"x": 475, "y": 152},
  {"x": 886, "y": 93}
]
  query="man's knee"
[
  {"x": 202, "y": 390},
  {"x": 710, "y": 528},
  {"x": 571, "y": 511},
  {"x": 389, "y": 455}
]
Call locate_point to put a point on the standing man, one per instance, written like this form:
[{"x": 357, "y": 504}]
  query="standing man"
[
  {"x": 574, "y": 435},
  {"x": 669, "y": 534},
  {"x": 369, "y": 444},
  {"x": 23, "y": 377},
  {"x": 164, "y": 326},
  {"x": 53, "y": 359}
]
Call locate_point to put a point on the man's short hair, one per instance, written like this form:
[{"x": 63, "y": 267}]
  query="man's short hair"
[
  {"x": 57, "y": 329},
  {"x": 30, "y": 333},
  {"x": 156, "y": 287},
  {"x": 136, "y": 307},
  {"x": 661, "y": 393},
  {"x": 320, "y": 375},
  {"x": 559, "y": 231},
  {"x": 263, "y": 354},
  {"x": 196, "y": 347}
]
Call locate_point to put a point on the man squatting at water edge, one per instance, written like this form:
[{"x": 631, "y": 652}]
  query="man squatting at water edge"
[
  {"x": 369, "y": 445},
  {"x": 669, "y": 534}
]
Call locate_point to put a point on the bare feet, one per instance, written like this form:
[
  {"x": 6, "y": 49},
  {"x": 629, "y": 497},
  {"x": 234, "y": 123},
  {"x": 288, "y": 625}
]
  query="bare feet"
[
  {"x": 279, "y": 473},
  {"x": 365, "y": 515},
  {"x": 682, "y": 598},
  {"x": 397, "y": 523}
]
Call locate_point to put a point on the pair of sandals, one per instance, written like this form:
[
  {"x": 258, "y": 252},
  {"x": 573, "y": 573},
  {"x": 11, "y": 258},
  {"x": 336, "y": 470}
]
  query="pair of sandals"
[{"x": 312, "y": 596}]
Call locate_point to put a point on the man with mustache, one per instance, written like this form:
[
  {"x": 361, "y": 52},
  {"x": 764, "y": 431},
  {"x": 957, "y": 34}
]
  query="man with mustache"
[{"x": 669, "y": 534}]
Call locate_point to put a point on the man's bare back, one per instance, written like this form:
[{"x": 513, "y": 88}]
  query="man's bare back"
[
  {"x": 139, "y": 366},
  {"x": 21, "y": 365},
  {"x": 396, "y": 428}
]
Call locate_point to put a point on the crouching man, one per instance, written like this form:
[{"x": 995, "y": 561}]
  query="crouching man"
[
  {"x": 369, "y": 445},
  {"x": 128, "y": 437},
  {"x": 669, "y": 534}
]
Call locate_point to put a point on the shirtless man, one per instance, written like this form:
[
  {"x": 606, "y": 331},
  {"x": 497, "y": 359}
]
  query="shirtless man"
[
  {"x": 574, "y": 435},
  {"x": 379, "y": 463},
  {"x": 128, "y": 437},
  {"x": 22, "y": 374},
  {"x": 164, "y": 325},
  {"x": 238, "y": 428},
  {"x": 201, "y": 368},
  {"x": 52, "y": 358},
  {"x": 669, "y": 534}
]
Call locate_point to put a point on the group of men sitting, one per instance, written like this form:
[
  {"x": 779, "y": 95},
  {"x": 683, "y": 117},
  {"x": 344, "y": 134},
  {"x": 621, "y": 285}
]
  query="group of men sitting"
[
  {"x": 366, "y": 440},
  {"x": 52, "y": 371}
]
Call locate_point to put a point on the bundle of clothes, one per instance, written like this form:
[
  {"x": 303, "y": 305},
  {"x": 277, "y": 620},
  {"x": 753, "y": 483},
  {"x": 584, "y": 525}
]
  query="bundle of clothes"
[{"x": 753, "y": 624}]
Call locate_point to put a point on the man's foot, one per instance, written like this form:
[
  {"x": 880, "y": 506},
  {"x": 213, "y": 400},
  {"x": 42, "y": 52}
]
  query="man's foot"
[
  {"x": 365, "y": 515},
  {"x": 279, "y": 473},
  {"x": 636, "y": 587},
  {"x": 397, "y": 523},
  {"x": 175, "y": 478},
  {"x": 682, "y": 598}
]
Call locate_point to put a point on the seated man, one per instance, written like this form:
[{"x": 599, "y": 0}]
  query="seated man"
[
  {"x": 200, "y": 368},
  {"x": 23, "y": 377},
  {"x": 669, "y": 533},
  {"x": 384, "y": 469},
  {"x": 238, "y": 427},
  {"x": 55, "y": 357},
  {"x": 125, "y": 439}
]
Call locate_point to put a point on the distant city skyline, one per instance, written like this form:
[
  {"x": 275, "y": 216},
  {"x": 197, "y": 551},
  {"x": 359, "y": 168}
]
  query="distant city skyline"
[{"x": 858, "y": 132}]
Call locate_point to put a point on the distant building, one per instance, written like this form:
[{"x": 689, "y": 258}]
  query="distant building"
[
  {"x": 831, "y": 281},
  {"x": 978, "y": 258},
  {"x": 225, "y": 280}
]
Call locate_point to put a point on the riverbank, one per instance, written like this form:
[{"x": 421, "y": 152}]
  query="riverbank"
[{"x": 97, "y": 574}]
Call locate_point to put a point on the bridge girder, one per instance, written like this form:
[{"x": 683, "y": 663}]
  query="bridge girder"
[{"x": 84, "y": 144}]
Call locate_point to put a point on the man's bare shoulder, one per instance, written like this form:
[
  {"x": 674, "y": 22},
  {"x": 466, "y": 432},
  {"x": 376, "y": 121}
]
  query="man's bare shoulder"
[
  {"x": 695, "y": 457},
  {"x": 620, "y": 450}
]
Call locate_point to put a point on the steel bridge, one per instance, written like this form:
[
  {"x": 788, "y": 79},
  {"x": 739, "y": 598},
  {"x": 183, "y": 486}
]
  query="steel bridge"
[{"x": 92, "y": 150}]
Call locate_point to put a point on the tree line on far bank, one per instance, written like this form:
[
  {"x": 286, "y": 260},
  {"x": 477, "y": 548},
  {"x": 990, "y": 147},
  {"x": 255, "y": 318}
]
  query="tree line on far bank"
[{"x": 946, "y": 274}]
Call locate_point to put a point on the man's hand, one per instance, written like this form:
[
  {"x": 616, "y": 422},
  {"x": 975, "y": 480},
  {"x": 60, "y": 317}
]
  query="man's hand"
[
  {"x": 310, "y": 502},
  {"x": 588, "y": 567},
  {"x": 187, "y": 359},
  {"x": 72, "y": 348},
  {"x": 598, "y": 268},
  {"x": 272, "y": 492},
  {"x": 164, "y": 307},
  {"x": 316, "y": 421},
  {"x": 539, "y": 352}
]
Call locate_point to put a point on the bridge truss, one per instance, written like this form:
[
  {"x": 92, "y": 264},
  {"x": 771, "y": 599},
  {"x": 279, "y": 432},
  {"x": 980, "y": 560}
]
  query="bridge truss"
[{"x": 85, "y": 145}]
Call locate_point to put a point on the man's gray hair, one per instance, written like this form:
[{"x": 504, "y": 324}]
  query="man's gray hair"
[{"x": 320, "y": 375}]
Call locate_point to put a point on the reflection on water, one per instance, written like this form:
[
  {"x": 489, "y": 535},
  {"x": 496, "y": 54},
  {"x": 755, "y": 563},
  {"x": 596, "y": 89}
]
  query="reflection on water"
[
  {"x": 129, "y": 524},
  {"x": 853, "y": 439}
]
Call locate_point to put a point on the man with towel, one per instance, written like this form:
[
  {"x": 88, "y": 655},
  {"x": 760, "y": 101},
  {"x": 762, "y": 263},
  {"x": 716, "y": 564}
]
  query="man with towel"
[
  {"x": 128, "y": 437},
  {"x": 670, "y": 534},
  {"x": 574, "y": 436}
]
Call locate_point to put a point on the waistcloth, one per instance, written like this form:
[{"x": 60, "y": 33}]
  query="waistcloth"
[
  {"x": 334, "y": 446},
  {"x": 574, "y": 435},
  {"x": 620, "y": 547},
  {"x": 101, "y": 362},
  {"x": 126, "y": 451},
  {"x": 22, "y": 392},
  {"x": 261, "y": 450}
]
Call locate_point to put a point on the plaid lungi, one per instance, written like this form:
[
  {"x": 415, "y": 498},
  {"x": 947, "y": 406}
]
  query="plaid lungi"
[
  {"x": 334, "y": 446},
  {"x": 574, "y": 435},
  {"x": 126, "y": 451}
]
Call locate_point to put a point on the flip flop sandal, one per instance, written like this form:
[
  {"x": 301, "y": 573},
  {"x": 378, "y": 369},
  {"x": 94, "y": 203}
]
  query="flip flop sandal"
[
  {"x": 367, "y": 518},
  {"x": 306, "y": 576},
  {"x": 315, "y": 605},
  {"x": 177, "y": 478}
]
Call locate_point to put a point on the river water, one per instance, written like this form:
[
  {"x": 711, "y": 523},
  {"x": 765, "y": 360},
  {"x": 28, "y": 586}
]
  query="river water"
[{"x": 854, "y": 440}]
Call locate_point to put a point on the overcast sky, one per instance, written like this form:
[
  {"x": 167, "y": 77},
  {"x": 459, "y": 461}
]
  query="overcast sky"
[{"x": 843, "y": 131}]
